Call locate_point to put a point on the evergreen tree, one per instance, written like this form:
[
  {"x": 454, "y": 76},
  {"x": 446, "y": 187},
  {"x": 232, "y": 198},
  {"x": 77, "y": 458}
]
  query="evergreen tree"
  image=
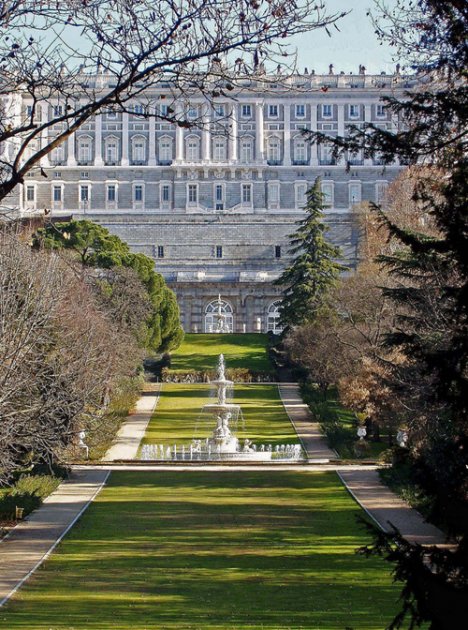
[
  {"x": 94, "y": 246},
  {"x": 314, "y": 269},
  {"x": 431, "y": 290}
]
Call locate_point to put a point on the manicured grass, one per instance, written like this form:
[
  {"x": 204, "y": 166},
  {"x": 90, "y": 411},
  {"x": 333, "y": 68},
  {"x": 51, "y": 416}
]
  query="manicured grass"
[
  {"x": 200, "y": 352},
  {"x": 178, "y": 419},
  {"x": 211, "y": 551}
]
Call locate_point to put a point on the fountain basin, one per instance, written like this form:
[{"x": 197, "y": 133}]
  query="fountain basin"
[{"x": 220, "y": 407}]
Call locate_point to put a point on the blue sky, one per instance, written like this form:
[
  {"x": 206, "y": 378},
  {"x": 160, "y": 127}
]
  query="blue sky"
[{"x": 355, "y": 44}]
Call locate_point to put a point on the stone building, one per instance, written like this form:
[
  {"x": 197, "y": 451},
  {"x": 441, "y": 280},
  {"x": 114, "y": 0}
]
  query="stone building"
[{"x": 213, "y": 204}]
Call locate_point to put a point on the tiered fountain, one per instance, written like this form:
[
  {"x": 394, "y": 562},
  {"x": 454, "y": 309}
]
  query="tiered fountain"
[
  {"x": 222, "y": 440},
  {"x": 223, "y": 444}
]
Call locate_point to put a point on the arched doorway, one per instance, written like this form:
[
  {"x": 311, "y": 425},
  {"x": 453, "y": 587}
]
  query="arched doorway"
[
  {"x": 219, "y": 316},
  {"x": 273, "y": 318}
]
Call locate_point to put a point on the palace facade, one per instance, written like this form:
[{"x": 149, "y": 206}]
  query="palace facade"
[{"x": 213, "y": 203}]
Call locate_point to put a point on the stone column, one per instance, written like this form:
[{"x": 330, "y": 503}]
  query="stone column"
[
  {"x": 98, "y": 161},
  {"x": 341, "y": 129},
  {"x": 179, "y": 135},
  {"x": 71, "y": 156},
  {"x": 287, "y": 134},
  {"x": 44, "y": 135},
  {"x": 206, "y": 133},
  {"x": 313, "y": 126},
  {"x": 152, "y": 138},
  {"x": 259, "y": 133},
  {"x": 125, "y": 160},
  {"x": 234, "y": 134}
]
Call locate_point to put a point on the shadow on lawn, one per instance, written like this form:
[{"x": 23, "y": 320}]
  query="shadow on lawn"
[{"x": 202, "y": 551}]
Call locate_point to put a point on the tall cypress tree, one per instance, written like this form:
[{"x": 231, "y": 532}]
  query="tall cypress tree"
[{"x": 314, "y": 269}]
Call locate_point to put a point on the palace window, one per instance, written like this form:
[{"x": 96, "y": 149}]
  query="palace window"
[
  {"x": 57, "y": 155},
  {"x": 31, "y": 193},
  {"x": 111, "y": 192},
  {"x": 246, "y": 111},
  {"x": 219, "y": 111},
  {"x": 84, "y": 149},
  {"x": 138, "y": 144},
  {"x": 165, "y": 150},
  {"x": 160, "y": 251},
  {"x": 273, "y": 195},
  {"x": 84, "y": 192},
  {"x": 139, "y": 109},
  {"x": 219, "y": 251},
  {"x": 273, "y": 111},
  {"x": 219, "y": 149},
  {"x": 111, "y": 148},
  {"x": 300, "y": 111},
  {"x": 354, "y": 111},
  {"x": 192, "y": 194},
  {"x": 57, "y": 194},
  {"x": 380, "y": 110},
  {"x": 277, "y": 251},
  {"x": 192, "y": 149},
  {"x": 246, "y": 194},
  {"x": 58, "y": 111},
  {"x": 165, "y": 194},
  {"x": 300, "y": 151},
  {"x": 138, "y": 195},
  {"x": 326, "y": 155},
  {"x": 246, "y": 150},
  {"x": 219, "y": 196},
  {"x": 354, "y": 193},
  {"x": 273, "y": 150},
  {"x": 326, "y": 111}
]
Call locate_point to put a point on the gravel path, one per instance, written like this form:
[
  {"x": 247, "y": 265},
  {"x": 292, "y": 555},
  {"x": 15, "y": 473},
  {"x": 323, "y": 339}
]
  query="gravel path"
[{"x": 308, "y": 431}]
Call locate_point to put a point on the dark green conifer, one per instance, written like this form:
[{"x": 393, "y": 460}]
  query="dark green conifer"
[{"x": 314, "y": 269}]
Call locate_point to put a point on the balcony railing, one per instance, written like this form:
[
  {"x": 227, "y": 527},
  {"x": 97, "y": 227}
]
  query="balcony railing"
[
  {"x": 274, "y": 162},
  {"x": 300, "y": 162}
]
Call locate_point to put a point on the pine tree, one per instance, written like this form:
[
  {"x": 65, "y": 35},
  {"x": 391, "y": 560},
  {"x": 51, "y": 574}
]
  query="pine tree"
[
  {"x": 430, "y": 292},
  {"x": 314, "y": 269}
]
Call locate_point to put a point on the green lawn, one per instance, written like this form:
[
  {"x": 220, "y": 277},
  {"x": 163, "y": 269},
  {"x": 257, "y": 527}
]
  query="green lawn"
[
  {"x": 200, "y": 352},
  {"x": 211, "y": 551},
  {"x": 178, "y": 419}
]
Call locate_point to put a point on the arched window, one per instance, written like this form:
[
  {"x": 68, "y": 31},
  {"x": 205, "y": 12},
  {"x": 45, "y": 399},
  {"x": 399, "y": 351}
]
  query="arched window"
[
  {"x": 165, "y": 150},
  {"x": 138, "y": 144},
  {"x": 273, "y": 318},
  {"x": 111, "y": 150},
  {"x": 219, "y": 317},
  {"x": 192, "y": 149},
  {"x": 246, "y": 149},
  {"x": 273, "y": 150},
  {"x": 85, "y": 149},
  {"x": 300, "y": 151},
  {"x": 219, "y": 149}
]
